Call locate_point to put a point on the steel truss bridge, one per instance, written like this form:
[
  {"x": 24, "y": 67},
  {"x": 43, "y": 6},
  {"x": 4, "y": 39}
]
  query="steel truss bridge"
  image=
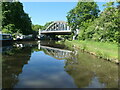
[{"x": 57, "y": 28}]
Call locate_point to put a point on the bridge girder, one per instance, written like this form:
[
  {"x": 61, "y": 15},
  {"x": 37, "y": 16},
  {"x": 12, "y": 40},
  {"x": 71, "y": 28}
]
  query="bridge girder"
[{"x": 57, "y": 28}]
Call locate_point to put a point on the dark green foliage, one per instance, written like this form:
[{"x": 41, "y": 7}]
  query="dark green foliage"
[
  {"x": 10, "y": 28},
  {"x": 36, "y": 27},
  {"x": 46, "y": 25},
  {"x": 104, "y": 27},
  {"x": 14, "y": 14},
  {"x": 82, "y": 13}
]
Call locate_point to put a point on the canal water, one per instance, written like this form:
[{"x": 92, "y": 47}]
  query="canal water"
[{"x": 49, "y": 64}]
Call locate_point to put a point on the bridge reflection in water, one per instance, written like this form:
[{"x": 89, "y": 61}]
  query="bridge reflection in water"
[
  {"x": 57, "y": 53},
  {"x": 36, "y": 65}
]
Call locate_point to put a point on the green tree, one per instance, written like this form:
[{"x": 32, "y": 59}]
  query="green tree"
[
  {"x": 46, "y": 25},
  {"x": 36, "y": 27},
  {"x": 104, "y": 28},
  {"x": 10, "y": 29},
  {"x": 84, "y": 11},
  {"x": 13, "y": 13}
]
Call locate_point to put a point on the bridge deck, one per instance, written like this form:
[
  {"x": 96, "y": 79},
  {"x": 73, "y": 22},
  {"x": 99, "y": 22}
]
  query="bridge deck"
[{"x": 61, "y": 32}]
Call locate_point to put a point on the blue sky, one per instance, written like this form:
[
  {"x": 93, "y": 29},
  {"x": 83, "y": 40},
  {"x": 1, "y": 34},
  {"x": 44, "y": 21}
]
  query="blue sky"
[{"x": 42, "y": 12}]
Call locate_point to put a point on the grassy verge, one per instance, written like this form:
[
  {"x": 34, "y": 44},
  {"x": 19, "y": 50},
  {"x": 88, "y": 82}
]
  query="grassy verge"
[{"x": 108, "y": 51}]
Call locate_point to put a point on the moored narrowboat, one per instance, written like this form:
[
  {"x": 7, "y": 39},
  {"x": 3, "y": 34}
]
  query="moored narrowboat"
[{"x": 6, "y": 37}]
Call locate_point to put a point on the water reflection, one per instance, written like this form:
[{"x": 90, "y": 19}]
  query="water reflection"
[
  {"x": 52, "y": 65},
  {"x": 57, "y": 52},
  {"x": 90, "y": 72},
  {"x": 13, "y": 61}
]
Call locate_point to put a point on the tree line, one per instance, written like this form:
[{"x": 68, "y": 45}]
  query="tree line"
[
  {"x": 14, "y": 19},
  {"x": 86, "y": 16},
  {"x": 94, "y": 25}
]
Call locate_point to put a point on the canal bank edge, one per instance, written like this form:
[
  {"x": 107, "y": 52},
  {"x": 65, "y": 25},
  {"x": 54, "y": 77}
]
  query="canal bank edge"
[{"x": 78, "y": 45}]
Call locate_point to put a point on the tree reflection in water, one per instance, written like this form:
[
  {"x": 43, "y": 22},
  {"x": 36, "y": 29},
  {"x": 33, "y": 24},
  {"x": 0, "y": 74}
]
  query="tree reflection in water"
[
  {"x": 88, "y": 71},
  {"x": 13, "y": 61}
]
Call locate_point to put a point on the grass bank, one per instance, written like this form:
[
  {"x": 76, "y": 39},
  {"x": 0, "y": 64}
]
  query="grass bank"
[{"x": 107, "y": 51}]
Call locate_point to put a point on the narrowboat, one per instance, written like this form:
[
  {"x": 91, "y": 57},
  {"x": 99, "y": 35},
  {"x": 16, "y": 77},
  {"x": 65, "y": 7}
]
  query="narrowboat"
[{"x": 6, "y": 37}]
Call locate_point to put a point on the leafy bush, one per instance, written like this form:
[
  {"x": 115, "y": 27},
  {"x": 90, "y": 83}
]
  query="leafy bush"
[
  {"x": 105, "y": 28},
  {"x": 10, "y": 28}
]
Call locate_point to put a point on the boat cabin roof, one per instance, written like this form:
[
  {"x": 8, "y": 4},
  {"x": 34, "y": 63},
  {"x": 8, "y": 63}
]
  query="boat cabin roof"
[{"x": 5, "y": 34}]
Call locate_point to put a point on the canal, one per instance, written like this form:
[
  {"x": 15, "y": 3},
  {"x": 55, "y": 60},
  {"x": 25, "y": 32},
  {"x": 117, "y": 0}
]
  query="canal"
[{"x": 50, "y": 64}]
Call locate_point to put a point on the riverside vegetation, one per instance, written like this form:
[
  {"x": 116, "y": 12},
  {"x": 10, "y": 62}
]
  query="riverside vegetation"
[
  {"x": 107, "y": 51},
  {"x": 99, "y": 31}
]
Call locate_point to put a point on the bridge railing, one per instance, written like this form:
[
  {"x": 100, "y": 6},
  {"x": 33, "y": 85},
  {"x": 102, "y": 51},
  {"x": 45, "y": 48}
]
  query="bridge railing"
[{"x": 58, "y": 27}]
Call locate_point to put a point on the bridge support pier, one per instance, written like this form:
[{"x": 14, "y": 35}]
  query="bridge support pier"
[{"x": 76, "y": 32}]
